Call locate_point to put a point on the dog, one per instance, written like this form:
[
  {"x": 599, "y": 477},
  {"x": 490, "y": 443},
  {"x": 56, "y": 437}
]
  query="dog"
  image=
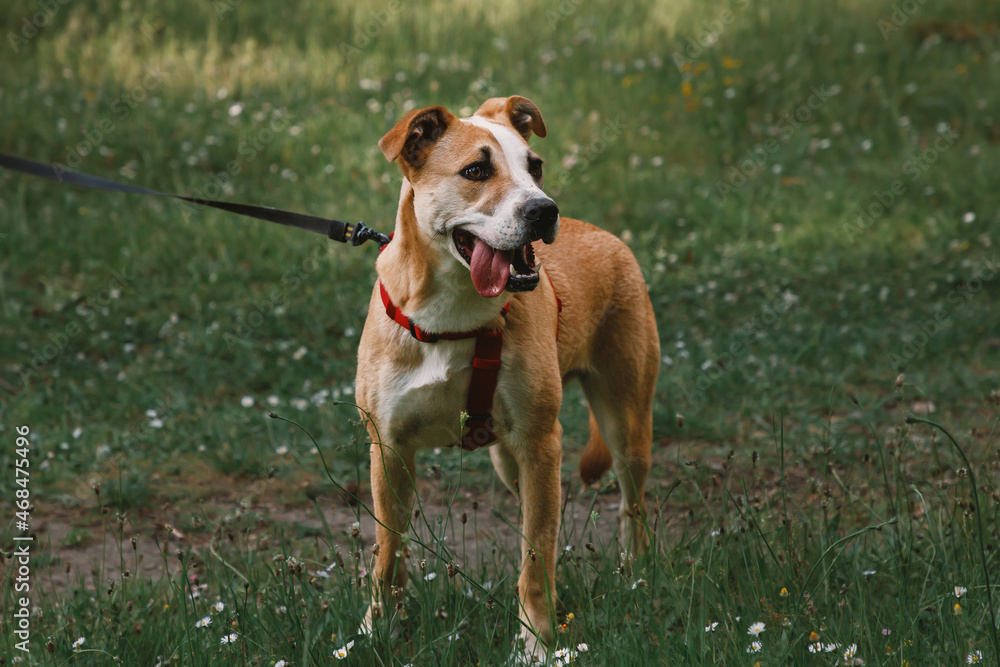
[{"x": 464, "y": 265}]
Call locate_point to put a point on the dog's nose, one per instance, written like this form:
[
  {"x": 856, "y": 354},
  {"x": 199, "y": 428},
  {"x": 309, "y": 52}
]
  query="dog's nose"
[{"x": 542, "y": 215}]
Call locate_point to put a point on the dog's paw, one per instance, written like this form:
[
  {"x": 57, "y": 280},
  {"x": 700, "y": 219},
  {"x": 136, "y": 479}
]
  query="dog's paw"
[
  {"x": 528, "y": 650},
  {"x": 375, "y": 620}
]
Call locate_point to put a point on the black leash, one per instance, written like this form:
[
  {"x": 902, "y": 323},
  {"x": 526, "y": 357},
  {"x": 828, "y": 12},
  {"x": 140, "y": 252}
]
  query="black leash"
[{"x": 335, "y": 229}]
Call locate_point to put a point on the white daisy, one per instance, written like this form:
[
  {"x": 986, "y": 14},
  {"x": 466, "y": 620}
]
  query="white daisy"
[
  {"x": 204, "y": 623},
  {"x": 754, "y": 647},
  {"x": 247, "y": 401},
  {"x": 342, "y": 652},
  {"x": 960, "y": 591},
  {"x": 229, "y": 639},
  {"x": 711, "y": 627},
  {"x": 851, "y": 651},
  {"x": 973, "y": 658},
  {"x": 816, "y": 648},
  {"x": 756, "y": 629},
  {"x": 79, "y": 642},
  {"x": 430, "y": 576},
  {"x": 219, "y": 606}
]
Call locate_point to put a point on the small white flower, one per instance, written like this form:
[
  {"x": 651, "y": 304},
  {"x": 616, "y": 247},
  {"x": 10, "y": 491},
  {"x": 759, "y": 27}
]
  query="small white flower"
[
  {"x": 247, "y": 401},
  {"x": 152, "y": 414},
  {"x": 273, "y": 401},
  {"x": 756, "y": 629},
  {"x": 969, "y": 217},
  {"x": 281, "y": 663},
  {"x": 638, "y": 583},
  {"x": 816, "y": 648},
  {"x": 973, "y": 658},
  {"x": 77, "y": 432},
  {"x": 236, "y": 109},
  {"x": 219, "y": 606},
  {"x": 851, "y": 651},
  {"x": 711, "y": 627},
  {"x": 156, "y": 423},
  {"x": 582, "y": 648},
  {"x": 204, "y": 623},
  {"x": 866, "y": 145},
  {"x": 229, "y": 639},
  {"x": 754, "y": 647},
  {"x": 299, "y": 353},
  {"x": 430, "y": 576},
  {"x": 960, "y": 591},
  {"x": 342, "y": 652},
  {"x": 281, "y": 450},
  {"x": 830, "y": 648},
  {"x": 79, "y": 642},
  {"x": 868, "y": 573}
]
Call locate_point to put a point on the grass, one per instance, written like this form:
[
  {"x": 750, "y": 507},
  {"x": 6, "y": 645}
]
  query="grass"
[{"x": 735, "y": 171}]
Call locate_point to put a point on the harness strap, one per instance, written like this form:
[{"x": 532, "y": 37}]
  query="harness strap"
[
  {"x": 482, "y": 387},
  {"x": 485, "y": 367}
]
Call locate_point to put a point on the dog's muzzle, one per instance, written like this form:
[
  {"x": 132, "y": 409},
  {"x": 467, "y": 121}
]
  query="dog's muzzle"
[{"x": 542, "y": 216}]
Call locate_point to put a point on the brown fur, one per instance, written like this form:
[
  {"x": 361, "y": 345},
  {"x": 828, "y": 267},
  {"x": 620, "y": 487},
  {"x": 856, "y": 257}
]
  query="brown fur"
[{"x": 607, "y": 339}]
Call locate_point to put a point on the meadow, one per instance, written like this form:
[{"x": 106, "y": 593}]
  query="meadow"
[{"x": 811, "y": 189}]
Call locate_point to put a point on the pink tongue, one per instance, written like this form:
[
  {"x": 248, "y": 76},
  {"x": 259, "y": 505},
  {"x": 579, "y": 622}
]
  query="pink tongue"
[{"x": 490, "y": 270}]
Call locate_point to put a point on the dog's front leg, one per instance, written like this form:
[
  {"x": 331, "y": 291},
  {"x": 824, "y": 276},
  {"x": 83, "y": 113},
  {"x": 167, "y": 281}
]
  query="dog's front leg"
[
  {"x": 540, "y": 492},
  {"x": 393, "y": 493}
]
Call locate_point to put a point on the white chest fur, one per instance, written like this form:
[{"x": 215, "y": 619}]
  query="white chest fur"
[{"x": 422, "y": 404}]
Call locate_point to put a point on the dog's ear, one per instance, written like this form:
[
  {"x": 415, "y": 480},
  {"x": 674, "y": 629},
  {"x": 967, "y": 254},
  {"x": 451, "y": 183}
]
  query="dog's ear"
[
  {"x": 521, "y": 112},
  {"x": 411, "y": 138}
]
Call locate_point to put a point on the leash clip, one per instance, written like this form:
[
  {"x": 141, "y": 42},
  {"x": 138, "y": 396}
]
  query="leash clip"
[{"x": 361, "y": 232}]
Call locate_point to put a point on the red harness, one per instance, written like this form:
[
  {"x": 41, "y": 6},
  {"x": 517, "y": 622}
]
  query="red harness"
[{"x": 485, "y": 368}]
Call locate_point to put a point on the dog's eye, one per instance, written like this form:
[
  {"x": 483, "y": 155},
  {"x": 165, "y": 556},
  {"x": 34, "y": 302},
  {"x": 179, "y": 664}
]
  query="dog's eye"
[
  {"x": 535, "y": 169},
  {"x": 476, "y": 172}
]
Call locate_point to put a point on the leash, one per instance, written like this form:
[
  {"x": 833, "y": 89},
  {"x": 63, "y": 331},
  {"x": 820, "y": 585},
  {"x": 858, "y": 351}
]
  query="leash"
[{"x": 337, "y": 230}]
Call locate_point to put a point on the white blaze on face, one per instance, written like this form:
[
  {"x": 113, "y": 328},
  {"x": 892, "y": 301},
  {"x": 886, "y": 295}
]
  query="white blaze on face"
[{"x": 514, "y": 154}]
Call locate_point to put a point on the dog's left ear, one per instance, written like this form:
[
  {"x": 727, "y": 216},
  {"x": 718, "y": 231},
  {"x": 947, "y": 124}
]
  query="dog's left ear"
[{"x": 520, "y": 111}]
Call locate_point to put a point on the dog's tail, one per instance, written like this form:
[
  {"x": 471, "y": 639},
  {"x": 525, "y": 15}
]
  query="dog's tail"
[{"x": 596, "y": 457}]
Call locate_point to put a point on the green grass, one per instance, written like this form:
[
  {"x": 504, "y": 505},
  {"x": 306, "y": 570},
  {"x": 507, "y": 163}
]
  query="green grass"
[{"x": 775, "y": 307}]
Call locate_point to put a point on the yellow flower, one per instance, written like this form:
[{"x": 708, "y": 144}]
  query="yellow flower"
[
  {"x": 784, "y": 592},
  {"x": 686, "y": 67},
  {"x": 732, "y": 63},
  {"x": 813, "y": 636},
  {"x": 700, "y": 67},
  {"x": 961, "y": 68},
  {"x": 686, "y": 89},
  {"x": 957, "y": 609}
]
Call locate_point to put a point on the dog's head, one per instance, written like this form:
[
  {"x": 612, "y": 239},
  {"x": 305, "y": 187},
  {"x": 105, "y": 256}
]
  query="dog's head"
[{"x": 477, "y": 188}]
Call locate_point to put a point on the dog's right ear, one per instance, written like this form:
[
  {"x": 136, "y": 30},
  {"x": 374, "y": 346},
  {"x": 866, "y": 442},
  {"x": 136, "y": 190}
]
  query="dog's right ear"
[{"x": 411, "y": 138}]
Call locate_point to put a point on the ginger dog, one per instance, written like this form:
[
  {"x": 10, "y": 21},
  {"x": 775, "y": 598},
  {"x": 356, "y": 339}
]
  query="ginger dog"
[{"x": 470, "y": 213}]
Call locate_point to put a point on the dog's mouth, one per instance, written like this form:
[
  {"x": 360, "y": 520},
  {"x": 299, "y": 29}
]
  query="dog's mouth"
[{"x": 495, "y": 270}]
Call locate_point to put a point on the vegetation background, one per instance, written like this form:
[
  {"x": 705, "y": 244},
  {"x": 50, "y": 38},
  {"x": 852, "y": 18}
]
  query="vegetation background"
[{"x": 811, "y": 189}]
